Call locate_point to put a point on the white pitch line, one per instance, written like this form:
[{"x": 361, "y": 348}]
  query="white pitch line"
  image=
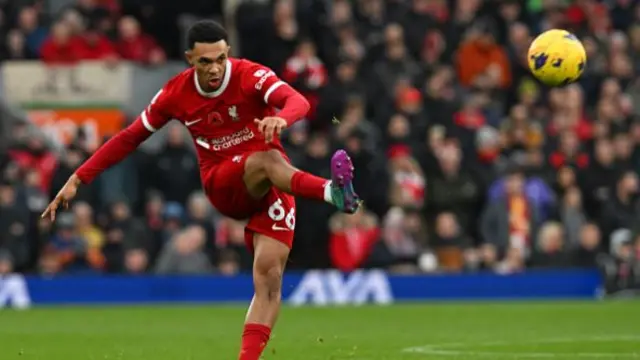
[{"x": 458, "y": 349}]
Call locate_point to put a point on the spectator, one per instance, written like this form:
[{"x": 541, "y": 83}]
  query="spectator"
[
  {"x": 342, "y": 86},
  {"x": 69, "y": 161},
  {"x": 566, "y": 180},
  {"x": 123, "y": 232},
  {"x": 481, "y": 62},
  {"x": 200, "y": 213},
  {"x": 402, "y": 236},
  {"x": 74, "y": 20},
  {"x": 154, "y": 221},
  {"x": 92, "y": 11},
  {"x": 60, "y": 48},
  {"x": 184, "y": 254},
  {"x": 550, "y": 250},
  {"x": 29, "y": 25},
  {"x": 453, "y": 189},
  {"x": 450, "y": 243},
  {"x": 312, "y": 218},
  {"x": 15, "y": 47},
  {"x": 396, "y": 64},
  {"x": 618, "y": 266},
  {"x": 487, "y": 158},
  {"x": 34, "y": 155},
  {"x": 597, "y": 179},
  {"x": 353, "y": 124},
  {"x": 232, "y": 242},
  {"x": 173, "y": 220},
  {"x": 176, "y": 158},
  {"x": 6, "y": 263},
  {"x": 509, "y": 224},
  {"x": 92, "y": 45},
  {"x": 408, "y": 184},
  {"x": 589, "y": 246},
  {"x": 68, "y": 252},
  {"x": 294, "y": 141},
  {"x": 229, "y": 263},
  {"x": 85, "y": 227},
  {"x": 619, "y": 211},
  {"x": 352, "y": 239},
  {"x": 572, "y": 216},
  {"x": 409, "y": 104},
  {"x": 519, "y": 131},
  {"x": 136, "y": 261},
  {"x": 136, "y": 46},
  {"x": 14, "y": 227},
  {"x": 306, "y": 72}
]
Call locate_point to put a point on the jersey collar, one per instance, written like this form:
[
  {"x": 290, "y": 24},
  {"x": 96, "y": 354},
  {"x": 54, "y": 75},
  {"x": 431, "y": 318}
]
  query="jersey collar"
[{"x": 221, "y": 89}]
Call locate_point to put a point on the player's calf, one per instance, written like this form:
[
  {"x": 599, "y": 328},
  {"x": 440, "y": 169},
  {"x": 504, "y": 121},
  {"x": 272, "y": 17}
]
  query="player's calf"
[
  {"x": 269, "y": 168},
  {"x": 269, "y": 263}
]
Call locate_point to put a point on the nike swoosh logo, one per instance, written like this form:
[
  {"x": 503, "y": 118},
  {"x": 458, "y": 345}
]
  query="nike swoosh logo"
[
  {"x": 189, "y": 123},
  {"x": 279, "y": 228}
]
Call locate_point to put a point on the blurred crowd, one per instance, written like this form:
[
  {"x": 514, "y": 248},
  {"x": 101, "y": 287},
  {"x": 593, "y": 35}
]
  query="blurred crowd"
[
  {"x": 68, "y": 31},
  {"x": 465, "y": 162}
]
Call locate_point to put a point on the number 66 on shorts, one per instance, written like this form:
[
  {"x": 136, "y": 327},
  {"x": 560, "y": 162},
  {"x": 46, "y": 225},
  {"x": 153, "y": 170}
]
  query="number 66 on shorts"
[
  {"x": 277, "y": 213},
  {"x": 277, "y": 220}
]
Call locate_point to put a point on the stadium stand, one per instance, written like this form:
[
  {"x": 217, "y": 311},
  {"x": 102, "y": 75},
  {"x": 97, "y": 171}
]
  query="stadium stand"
[{"x": 463, "y": 160}]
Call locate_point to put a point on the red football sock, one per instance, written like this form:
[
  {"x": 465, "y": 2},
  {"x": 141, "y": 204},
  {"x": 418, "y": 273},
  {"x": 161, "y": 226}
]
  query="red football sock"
[
  {"x": 308, "y": 186},
  {"x": 254, "y": 340}
]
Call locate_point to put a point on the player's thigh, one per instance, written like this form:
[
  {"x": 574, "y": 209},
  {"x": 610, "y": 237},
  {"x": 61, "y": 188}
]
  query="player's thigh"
[
  {"x": 227, "y": 192},
  {"x": 256, "y": 171},
  {"x": 275, "y": 219}
]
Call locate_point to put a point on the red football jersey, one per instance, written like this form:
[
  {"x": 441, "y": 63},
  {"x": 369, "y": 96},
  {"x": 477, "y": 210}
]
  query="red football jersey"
[{"x": 222, "y": 123}]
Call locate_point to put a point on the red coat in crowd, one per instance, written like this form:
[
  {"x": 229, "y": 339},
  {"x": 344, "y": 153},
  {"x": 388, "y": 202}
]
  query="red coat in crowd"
[
  {"x": 139, "y": 48},
  {"x": 312, "y": 73},
  {"x": 94, "y": 46},
  {"x": 60, "y": 53},
  {"x": 44, "y": 163},
  {"x": 351, "y": 244}
]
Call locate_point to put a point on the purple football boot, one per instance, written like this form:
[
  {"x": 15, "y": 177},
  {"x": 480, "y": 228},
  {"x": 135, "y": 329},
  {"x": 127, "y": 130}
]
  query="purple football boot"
[{"x": 342, "y": 193}]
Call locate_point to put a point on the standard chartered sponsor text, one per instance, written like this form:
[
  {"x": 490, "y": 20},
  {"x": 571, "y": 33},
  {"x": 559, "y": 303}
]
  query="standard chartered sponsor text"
[{"x": 227, "y": 141}]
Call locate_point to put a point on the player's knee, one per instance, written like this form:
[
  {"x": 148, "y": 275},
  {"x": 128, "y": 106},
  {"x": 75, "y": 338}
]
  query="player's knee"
[
  {"x": 268, "y": 280},
  {"x": 272, "y": 159}
]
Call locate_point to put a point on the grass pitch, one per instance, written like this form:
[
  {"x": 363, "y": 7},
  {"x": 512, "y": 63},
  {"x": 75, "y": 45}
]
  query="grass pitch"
[{"x": 562, "y": 331}]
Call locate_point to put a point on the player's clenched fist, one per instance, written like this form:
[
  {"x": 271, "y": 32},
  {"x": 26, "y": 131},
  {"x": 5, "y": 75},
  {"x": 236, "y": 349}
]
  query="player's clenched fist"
[
  {"x": 270, "y": 126},
  {"x": 66, "y": 194}
]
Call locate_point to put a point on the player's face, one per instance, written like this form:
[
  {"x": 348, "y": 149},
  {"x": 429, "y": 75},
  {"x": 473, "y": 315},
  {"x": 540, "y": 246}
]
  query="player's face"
[{"x": 209, "y": 60}]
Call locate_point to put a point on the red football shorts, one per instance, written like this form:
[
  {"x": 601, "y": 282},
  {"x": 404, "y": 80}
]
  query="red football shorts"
[{"x": 274, "y": 215}]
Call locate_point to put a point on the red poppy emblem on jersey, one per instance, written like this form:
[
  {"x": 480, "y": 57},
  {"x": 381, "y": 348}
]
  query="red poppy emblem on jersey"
[{"x": 215, "y": 119}]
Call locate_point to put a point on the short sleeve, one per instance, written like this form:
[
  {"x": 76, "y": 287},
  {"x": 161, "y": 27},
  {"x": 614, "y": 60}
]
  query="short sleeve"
[{"x": 261, "y": 81}]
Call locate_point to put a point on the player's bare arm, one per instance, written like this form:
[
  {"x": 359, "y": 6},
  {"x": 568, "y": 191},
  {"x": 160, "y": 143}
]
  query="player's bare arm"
[
  {"x": 112, "y": 152},
  {"x": 271, "y": 126},
  {"x": 64, "y": 196}
]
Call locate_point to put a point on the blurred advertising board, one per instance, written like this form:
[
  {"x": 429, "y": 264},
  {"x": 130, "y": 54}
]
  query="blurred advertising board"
[
  {"x": 311, "y": 288},
  {"x": 62, "y": 125},
  {"x": 33, "y": 84}
]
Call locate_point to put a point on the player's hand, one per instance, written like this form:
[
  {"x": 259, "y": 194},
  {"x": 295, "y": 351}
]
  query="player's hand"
[
  {"x": 271, "y": 126},
  {"x": 66, "y": 194}
]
